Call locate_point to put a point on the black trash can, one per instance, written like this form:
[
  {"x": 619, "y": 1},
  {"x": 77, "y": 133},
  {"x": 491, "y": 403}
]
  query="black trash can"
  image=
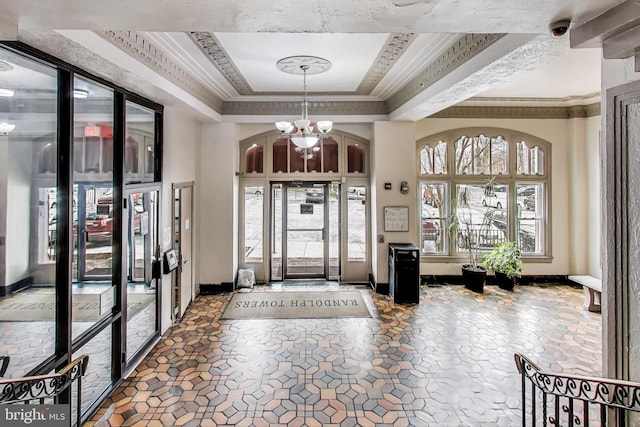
[{"x": 404, "y": 273}]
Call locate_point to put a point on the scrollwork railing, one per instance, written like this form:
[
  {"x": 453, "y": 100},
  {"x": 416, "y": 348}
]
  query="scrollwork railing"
[
  {"x": 46, "y": 388},
  {"x": 574, "y": 400},
  {"x": 4, "y": 364}
]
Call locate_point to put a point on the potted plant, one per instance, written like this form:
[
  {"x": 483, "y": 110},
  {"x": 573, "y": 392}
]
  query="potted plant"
[
  {"x": 467, "y": 234},
  {"x": 506, "y": 262}
]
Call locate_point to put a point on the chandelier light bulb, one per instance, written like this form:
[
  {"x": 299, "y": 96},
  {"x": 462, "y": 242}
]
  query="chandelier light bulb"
[{"x": 6, "y": 128}]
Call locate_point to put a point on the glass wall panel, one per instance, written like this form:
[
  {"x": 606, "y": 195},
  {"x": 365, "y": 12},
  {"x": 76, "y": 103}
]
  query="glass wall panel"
[
  {"x": 280, "y": 148},
  {"x": 276, "y": 232},
  {"x": 297, "y": 157},
  {"x": 433, "y": 159},
  {"x": 142, "y": 240},
  {"x": 356, "y": 223},
  {"x": 433, "y": 220},
  {"x": 93, "y": 291},
  {"x": 254, "y": 159},
  {"x": 98, "y": 377},
  {"x": 329, "y": 155},
  {"x": 28, "y": 211},
  {"x": 530, "y": 230},
  {"x": 355, "y": 159},
  {"x": 334, "y": 230},
  {"x": 313, "y": 157},
  {"x": 253, "y": 223},
  {"x": 139, "y": 145}
]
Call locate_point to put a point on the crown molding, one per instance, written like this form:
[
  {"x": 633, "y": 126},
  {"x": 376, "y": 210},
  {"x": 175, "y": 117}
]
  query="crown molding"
[
  {"x": 494, "y": 112},
  {"x": 467, "y": 47},
  {"x": 209, "y": 45},
  {"x": 393, "y": 49},
  {"x": 144, "y": 51},
  {"x": 565, "y": 100},
  {"x": 293, "y": 108}
]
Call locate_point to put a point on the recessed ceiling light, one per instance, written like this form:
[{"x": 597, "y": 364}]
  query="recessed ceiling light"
[
  {"x": 80, "y": 93},
  {"x": 6, "y": 92}
]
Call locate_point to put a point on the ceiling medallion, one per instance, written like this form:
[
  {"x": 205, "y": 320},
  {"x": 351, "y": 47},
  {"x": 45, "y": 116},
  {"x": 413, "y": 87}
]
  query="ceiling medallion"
[
  {"x": 294, "y": 65},
  {"x": 302, "y": 132}
]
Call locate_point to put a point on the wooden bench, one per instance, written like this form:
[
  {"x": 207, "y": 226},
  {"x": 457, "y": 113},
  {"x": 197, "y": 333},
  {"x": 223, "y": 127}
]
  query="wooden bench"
[{"x": 592, "y": 291}]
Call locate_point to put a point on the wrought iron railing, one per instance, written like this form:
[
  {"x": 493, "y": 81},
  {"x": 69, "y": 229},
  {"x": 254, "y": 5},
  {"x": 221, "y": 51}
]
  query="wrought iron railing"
[
  {"x": 4, "y": 364},
  {"x": 46, "y": 389},
  {"x": 550, "y": 399}
]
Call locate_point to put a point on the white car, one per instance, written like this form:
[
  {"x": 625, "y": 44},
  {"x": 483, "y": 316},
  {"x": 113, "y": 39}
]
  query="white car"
[{"x": 495, "y": 199}]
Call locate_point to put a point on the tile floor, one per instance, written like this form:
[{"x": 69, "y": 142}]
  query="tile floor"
[{"x": 445, "y": 362}]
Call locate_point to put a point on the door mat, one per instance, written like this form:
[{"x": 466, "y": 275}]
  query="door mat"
[
  {"x": 33, "y": 307},
  {"x": 296, "y": 305}
]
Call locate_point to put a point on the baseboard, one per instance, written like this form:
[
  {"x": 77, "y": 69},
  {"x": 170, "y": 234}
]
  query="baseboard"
[
  {"x": 216, "y": 288},
  {"x": 19, "y": 285},
  {"x": 382, "y": 288},
  {"x": 532, "y": 280}
]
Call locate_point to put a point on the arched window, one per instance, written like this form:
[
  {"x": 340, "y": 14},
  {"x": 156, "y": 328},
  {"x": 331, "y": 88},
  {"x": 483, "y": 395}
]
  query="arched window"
[
  {"x": 504, "y": 176},
  {"x": 334, "y": 156}
]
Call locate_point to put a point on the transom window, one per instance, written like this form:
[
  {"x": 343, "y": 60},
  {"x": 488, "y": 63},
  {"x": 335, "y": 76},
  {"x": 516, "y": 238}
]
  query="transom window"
[
  {"x": 504, "y": 178},
  {"x": 270, "y": 155}
]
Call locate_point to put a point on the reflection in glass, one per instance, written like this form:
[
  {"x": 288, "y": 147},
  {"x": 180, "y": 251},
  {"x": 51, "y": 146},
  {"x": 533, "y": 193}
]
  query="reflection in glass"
[
  {"x": 28, "y": 210},
  {"x": 93, "y": 294},
  {"x": 98, "y": 368},
  {"x": 139, "y": 147},
  {"x": 142, "y": 240}
]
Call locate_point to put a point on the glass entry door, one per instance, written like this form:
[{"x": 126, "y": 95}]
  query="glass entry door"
[{"x": 305, "y": 231}]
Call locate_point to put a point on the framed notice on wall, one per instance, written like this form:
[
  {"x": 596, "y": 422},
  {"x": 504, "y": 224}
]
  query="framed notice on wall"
[{"x": 396, "y": 218}]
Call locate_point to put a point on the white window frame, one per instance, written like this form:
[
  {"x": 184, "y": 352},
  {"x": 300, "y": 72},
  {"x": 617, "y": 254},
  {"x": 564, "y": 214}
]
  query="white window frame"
[{"x": 540, "y": 177}]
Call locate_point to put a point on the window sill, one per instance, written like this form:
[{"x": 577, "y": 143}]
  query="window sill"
[{"x": 527, "y": 259}]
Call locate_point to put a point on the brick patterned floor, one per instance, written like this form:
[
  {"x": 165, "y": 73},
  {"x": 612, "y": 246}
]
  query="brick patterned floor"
[{"x": 445, "y": 362}]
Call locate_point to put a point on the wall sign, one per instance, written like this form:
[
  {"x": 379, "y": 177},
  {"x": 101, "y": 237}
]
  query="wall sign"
[{"x": 396, "y": 218}]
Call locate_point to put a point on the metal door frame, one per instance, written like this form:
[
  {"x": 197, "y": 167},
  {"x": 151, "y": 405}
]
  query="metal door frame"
[{"x": 325, "y": 229}]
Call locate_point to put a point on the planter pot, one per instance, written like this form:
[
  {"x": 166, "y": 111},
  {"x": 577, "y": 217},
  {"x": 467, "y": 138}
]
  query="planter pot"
[
  {"x": 504, "y": 281},
  {"x": 474, "y": 279}
]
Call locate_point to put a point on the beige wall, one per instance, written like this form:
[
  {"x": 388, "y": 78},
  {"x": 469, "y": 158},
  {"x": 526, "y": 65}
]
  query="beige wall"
[
  {"x": 218, "y": 195},
  {"x": 393, "y": 157},
  {"x": 180, "y": 154},
  {"x": 574, "y": 201}
]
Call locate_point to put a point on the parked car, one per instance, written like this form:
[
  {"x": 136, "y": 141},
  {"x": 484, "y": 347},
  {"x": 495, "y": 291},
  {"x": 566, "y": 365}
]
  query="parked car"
[
  {"x": 315, "y": 195},
  {"x": 497, "y": 197},
  {"x": 99, "y": 227},
  {"x": 529, "y": 202},
  {"x": 523, "y": 193},
  {"x": 497, "y": 231},
  {"x": 356, "y": 193}
]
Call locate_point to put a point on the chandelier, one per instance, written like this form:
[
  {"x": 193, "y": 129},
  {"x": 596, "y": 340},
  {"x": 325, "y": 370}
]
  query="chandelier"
[{"x": 302, "y": 132}]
